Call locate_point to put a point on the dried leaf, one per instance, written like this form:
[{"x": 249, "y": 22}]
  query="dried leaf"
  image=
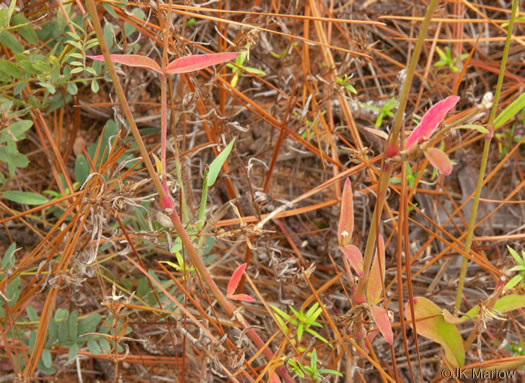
[
  {"x": 196, "y": 62},
  {"x": 439, "y": 160},
  {"x": 132, "y": 60},
  {"x": 380, "y": 317},
  {"x": 346, "y": 219},
  {"x": 431, "y": 120}
]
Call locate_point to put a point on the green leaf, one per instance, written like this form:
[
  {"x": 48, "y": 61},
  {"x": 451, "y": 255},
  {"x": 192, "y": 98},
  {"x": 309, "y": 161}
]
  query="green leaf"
[
  {"x": 31, "y": 313},
  {"x": 27, "y": 198},
  {"x": 435, "y": 327},
  {"x": 94, "y": 86},
  {"x": 73, "y": 352},
  {"x": 10, "y": 42},
  {"x": 72, "y": 88},
  {"x": 9, "y": 154},
  {"x": 52, "y": 332},
  {"x": 77, "y": 70},
  {"x": 8, "y": 261},
  {"x": 510, "y": 111},
  {"x": 104, "y": 346},
  {"x": 26, "y": 31},
  {"x": 514, "y": 281},
  {"x": 109, "y": 9},
  {"x": 89, "y": 324},
  {"x": 18, "y": 129},
  {"x": 46, "y": 358},
  {"x": 93, "y": 347},
  {"x": 82, "y": 169},
  {"x": 61, "y": 314},
  {"x": 300, "y": 329},
  {"x": 7, "y": 68},
  {"x": 108, "y": 35},
  {"x": 318, "y": 336},
  {"x": 216, "y": 165},
  {"x": 73, "y": 325},
  {"x": 479, "y": 128},
  {"x": 515, "y": 255}
]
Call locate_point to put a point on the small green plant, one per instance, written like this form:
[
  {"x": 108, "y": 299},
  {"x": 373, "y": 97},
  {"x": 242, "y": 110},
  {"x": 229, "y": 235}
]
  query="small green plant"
[
  {"x": 345, "y": 83},
  {"x": 506, "y": 140},
  {"x": 519, "y": 278},
  {"x": 239, "y": 66},
  {"x": 284, "y": 52},
  {"x": 516, "y": 349},
  {"x": 313, "y": 373},
  {"x": 302, "y": 321},
  {"x": 386, "y": 111},
  {"x": 411, "y": 177},
  {"x": 447, "y": 60}
]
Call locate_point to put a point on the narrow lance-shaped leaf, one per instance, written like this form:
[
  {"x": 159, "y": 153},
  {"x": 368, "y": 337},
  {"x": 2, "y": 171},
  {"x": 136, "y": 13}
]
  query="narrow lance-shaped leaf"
[
  {"x": 132, "y": 60},
  {"x": 216, "y": 165},
  {"x": 197, "y": 62},
  {"x": 235, "y": 279},
  {"x": 22, "y": 197},
  {"x": 377, "y": 274},
  {"x": 431, "y": 120},
  {"x": 346, "y": 219},
  {"x": 439, "y": 160},
  {"x": 380, "y": 317},
  {"x": 435, "y": 327},
  {"x": 510, "y": 111},
  {"x": 354, "y": 257}
]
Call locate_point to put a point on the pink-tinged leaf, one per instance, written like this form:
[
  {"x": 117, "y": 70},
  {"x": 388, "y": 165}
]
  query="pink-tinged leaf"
[
  {"x": 380, "y": 317},
  {"x": 275, "y": 378},
  {"x": 431, "y": 324},
  {"x": 235, "y": 279},
  {"x": 431, "y": 120},
  {"x": 167, "y": 202},
  {"x": 354, "y": 256},
  {"x": 241, "y": 297},
  {"x": 132, "y": 60},
  {"x": 346, "y": 219},
  {"x": 197, "y": 62},
  {"x": 439, "y": 160},
  {"x": 377, "y": 274}
]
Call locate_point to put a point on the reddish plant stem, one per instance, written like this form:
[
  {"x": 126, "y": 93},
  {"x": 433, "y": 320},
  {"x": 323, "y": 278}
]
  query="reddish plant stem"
[{"x": 167, "y": 202}]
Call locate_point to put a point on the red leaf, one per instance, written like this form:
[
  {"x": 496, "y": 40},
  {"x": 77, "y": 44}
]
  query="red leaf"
[
  {"x": 380, "y": 317},
  {"x": 132, "y": 60},
  {"x": 439, "y": 160},
  {"x": 196, "y": 62},
  {"x": 431, "y": 120},
  {"x": 235, "y": 279},
  {"x": 354, "y": 256},
  {"x": 241, "y": 297},
  {"x": 346, "y": 220},
  {"x": 377, "y": 274}
]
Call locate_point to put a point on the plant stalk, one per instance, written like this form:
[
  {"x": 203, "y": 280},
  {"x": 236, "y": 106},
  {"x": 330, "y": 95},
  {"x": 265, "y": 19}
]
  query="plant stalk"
[
  {"x": 391, "y": 149},
  {"x": 484, "y": 158},
  {"x": 169, "y": 204}
]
